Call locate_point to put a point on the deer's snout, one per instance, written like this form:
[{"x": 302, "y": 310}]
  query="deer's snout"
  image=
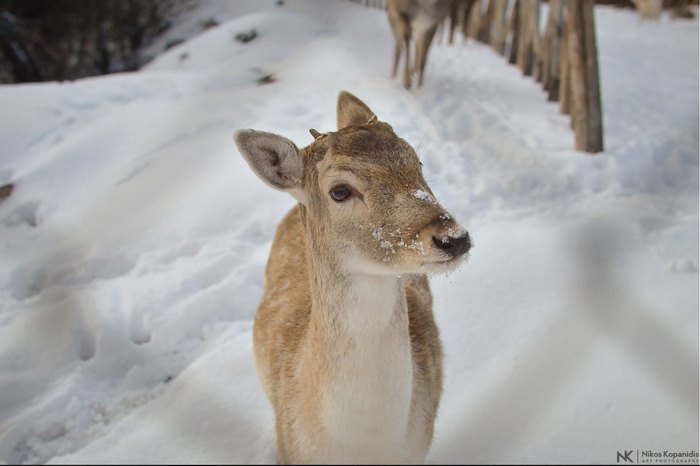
[
  {"x": 446, "y": 237},
  {"x": 455, "y": 246}
]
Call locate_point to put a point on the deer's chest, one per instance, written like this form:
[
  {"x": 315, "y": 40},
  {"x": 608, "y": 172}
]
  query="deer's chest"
[
  {"x": 366, "y": 410},
  {"x": 366, "y": 405}
]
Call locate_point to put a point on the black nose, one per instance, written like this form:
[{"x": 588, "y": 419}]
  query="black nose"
[{"x": 454, "y": 246}]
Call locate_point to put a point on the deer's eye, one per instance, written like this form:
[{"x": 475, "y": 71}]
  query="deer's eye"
[{"x": 341, "y": 193}]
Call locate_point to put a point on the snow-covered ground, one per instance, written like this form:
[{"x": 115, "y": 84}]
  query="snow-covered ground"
[{"x": 132, "y": 251}]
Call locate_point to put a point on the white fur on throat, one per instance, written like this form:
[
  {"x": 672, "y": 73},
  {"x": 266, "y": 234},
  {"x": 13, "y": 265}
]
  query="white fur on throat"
[{"x": 366, "y": 407}]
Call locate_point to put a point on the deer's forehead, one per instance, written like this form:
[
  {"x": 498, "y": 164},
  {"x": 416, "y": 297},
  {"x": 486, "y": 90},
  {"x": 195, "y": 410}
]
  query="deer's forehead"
[
  {"x": 371, "y": 151},
  {"x": 373, "y": 167}
]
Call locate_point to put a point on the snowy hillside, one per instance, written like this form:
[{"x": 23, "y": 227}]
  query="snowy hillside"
[{"x": 133, "y": 248}]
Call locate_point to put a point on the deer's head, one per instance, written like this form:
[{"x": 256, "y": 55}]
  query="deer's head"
[{"x": 363, "y": 194}]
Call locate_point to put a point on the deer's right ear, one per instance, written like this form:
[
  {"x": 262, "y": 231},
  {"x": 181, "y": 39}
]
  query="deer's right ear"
[
  {"x": 275, "y": 159},
  {"x": 351, "y": 111}
]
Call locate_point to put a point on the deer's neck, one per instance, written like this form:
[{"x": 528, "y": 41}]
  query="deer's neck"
[
  {"x": 361, "y": 350},
  {"x": 355, "y": 306}
]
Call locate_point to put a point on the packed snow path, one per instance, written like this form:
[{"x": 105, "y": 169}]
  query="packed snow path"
[{"x": 134, "y": 245}]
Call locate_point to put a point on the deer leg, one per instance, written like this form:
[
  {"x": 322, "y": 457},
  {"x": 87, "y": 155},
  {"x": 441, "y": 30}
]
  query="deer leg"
[
  {"x": 397, "y": 55},
  {"x": 440, "y": 32},
  {"x": 422, "y": 46},
  {"x": 454, "y": 20},
  {"x": 281, "y": 451},
  {"x": 401, "y": 27},
  {"x": 395, "y": 22},
  {"x": 407, "y": 65}
]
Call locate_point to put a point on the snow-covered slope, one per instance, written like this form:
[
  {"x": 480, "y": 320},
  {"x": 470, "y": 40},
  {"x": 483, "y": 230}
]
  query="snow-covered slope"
[{"x": 132, "y": 251}]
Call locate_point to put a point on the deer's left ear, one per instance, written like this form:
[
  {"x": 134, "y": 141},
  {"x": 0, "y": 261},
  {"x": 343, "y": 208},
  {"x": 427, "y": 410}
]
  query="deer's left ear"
[
  {"x": 275, "y": 159},
  {"x": 352, "y": 111}
]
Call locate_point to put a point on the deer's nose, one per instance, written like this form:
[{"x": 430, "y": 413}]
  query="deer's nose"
[{"x": 453, "y": 246}]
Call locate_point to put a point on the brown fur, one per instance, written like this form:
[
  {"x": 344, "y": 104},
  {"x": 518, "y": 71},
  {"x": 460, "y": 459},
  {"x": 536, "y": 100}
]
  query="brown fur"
[
  {"x": 419, "y": 18},
  {"x": 282, "y": 325},
  {"x": 303, "y": 339}
]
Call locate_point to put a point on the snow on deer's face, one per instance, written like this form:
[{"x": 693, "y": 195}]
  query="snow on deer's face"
[{"x": 366, "y": 186}]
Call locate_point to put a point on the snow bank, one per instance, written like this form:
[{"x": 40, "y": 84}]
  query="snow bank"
[{"x": 134, "y": 245}]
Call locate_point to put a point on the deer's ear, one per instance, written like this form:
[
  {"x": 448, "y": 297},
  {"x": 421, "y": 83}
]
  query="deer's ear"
[
  {"x": 275, "y": 159},
  {"x": 352, "y": 111}
]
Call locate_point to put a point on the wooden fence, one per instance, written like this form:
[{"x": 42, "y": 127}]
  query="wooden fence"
[{"x": 563, "y": 57}]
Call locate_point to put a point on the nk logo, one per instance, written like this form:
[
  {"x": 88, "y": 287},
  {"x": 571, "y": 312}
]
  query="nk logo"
[{"x": 625, "y": 456}]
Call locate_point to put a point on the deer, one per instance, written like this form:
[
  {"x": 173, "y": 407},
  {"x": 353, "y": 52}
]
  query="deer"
[
  {"x": 414, "y": 17},
  {"x": 345, "y": 343}
]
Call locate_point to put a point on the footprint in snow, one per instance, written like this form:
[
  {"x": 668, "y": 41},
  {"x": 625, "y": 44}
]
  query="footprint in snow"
[
  {"x": 27, "y": 213},
  {"x": 28, "y": 281}
]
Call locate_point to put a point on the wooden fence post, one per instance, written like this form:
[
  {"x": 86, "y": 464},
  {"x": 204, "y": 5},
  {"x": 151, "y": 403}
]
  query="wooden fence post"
[
  {"x": 473, "y": 23},
  {"x": 543, "y": 74},
  {"x": 564, "y": 79},
  {"x": 564, "y": 58},
  {"x": 535, "y": 36},
  {"x": 525, "y": 52},
  {"x": 499, "y": 31},
  {"x": 485, "y": 25},
  {"x": 585, "y": 92},
  {"x": 514, "y": 27},
  {"x": 594, "y": 110},
  {"x": 553, "y": 83},
  {"x": 550, "y": 50},
  {"x": 466, "y": 16}
]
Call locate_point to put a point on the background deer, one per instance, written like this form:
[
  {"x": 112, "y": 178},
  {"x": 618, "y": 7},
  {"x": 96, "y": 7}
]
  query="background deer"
[
  {"x": 418, "y": 18},
  {"x": 345, "y": 342}
]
